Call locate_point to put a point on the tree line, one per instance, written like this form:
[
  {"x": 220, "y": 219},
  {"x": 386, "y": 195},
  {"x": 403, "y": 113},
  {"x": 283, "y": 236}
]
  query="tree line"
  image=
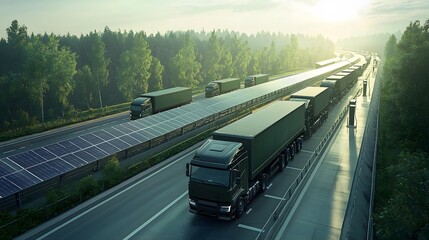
[
  {"x": 45, "y": 77},
  {"x": 402, "y": 182}
]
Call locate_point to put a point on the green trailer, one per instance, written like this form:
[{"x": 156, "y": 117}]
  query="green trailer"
[
  {"x": 158, "y": 101},
  {"x": 257, "y": 79},
  {"x": 228, "y": 170}
]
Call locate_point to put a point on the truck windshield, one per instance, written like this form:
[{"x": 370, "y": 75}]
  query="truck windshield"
[
  {"x": 136, "y": 108},
  {"x": 210, "y": 176}
]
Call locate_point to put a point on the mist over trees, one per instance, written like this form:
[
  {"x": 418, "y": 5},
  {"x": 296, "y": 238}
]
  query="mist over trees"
[
  {"x": 46, "y": 77},
  {"x": 372, "y": 43},
  {"x": 402, "y": 184}
]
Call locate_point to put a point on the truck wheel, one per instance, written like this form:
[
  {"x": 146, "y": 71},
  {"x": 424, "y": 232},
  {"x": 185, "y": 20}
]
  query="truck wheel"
[{"x": 239, "y": 208}]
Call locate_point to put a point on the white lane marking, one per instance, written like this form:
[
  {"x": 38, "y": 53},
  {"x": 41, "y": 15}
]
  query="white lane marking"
[
  {"x": 274, "y": 197},
  {"x": 248, "y": 211},
  {"x": 299, "y": 169},
  {"x": 155, "y": 216},
  {"x": 269, "y": 186},
  {"x": 22, "y": 147},
  {"x": 306, "y": 151},
  {"x": 112, "y": 197},
  {"x": 249, "y": 228},
  {"x": 9, "y": 151}
]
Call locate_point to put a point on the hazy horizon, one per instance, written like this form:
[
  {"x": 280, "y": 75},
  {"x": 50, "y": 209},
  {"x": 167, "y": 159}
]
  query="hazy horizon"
[{"x": 334, "y": 19}]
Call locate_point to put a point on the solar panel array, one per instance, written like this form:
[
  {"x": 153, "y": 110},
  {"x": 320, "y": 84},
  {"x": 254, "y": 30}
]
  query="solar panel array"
[{"x": 24, "y": 170}]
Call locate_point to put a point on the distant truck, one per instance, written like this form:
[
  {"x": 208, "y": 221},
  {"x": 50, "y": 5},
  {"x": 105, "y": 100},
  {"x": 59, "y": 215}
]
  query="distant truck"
[
  {"x": 257, "y": 79},
  {"x": 337, "y": 86},
  {"x": 155, "y": 102},
  {"x": 229, "y": 170},
  {"x": 218, "y": 87},
  {"x": 316, "y": 100}
]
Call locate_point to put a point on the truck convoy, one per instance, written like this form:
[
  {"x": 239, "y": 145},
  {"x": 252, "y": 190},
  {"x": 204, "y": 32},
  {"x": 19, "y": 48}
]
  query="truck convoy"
[
  {"x": 316, "y": 101},
  {"x": 253, "y": 80},
  {"x": 218, "y": 87},
  {"x": 154, "y": 102},
  {"x": 229, "y": 170}
]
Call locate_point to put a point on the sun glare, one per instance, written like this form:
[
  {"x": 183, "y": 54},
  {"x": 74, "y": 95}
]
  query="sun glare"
[{"x": 339, "y": 10}]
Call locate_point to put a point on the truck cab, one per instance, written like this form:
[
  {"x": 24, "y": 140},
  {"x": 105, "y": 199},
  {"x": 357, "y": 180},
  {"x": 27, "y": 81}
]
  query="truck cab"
[
  {"x": 249, "y": 81},
  {"x": 217, "y": 179},
  {"x": 140, "y": 107},
  {"x": 212, "y": 89}
]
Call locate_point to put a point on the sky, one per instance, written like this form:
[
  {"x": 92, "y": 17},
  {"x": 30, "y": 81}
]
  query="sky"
[{"x": 332, "y": 18}]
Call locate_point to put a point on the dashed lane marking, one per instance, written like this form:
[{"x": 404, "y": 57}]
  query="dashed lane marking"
[
  {"x": 298, "y": 169},
  {"x": 274, "y": 197},
  {"x": 248, "y": 211},
  {"x": 249, "y": 228}
]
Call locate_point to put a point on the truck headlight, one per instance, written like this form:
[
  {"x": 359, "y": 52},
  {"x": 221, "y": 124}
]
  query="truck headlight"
[
  {"x": 192, "y": 202},
  {"x": 225, "y": 208}
]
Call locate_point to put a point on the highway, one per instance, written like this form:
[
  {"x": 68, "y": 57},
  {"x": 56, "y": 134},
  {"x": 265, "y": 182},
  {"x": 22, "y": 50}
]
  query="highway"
[{"x": 154, "y": 204}]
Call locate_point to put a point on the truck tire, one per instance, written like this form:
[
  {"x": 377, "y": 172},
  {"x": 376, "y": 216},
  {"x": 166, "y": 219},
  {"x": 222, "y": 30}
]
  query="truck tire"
[{"x": 239, "y": 207}]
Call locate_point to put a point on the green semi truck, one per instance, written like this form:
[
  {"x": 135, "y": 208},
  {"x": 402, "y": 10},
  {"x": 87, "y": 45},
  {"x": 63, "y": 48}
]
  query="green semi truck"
[
  {"x": 253, "y": 80},
  {"x": 155, "y": 102},
  {"x": 218, "y": 87},
  {"x": 316, "y": 101},
  {"x": 228, "y": 170}
]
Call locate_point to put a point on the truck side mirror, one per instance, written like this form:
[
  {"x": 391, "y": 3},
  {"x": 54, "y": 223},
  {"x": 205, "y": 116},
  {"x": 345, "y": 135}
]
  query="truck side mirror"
[{"x": 187, "y": 170}]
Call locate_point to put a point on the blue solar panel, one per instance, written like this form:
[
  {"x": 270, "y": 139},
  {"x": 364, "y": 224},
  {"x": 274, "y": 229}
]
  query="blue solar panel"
[
  {"x": 123, "y": 129},
  {"x": 109, "y": 148},
  {"x": 60, "y": 165},
  {"x": 44, "y": 153},
  {"x": 103, "y": 135},
  {"x": 7, "y": 167},
  {"x": 91, "y": 138},
  {"x": 120, "y": 144},
  {"x": 7, "y": 188},
  {"x": 27, "y": 159},
  {"x": 74, "y": 160},
  {"x": 96, "y": 152},
  {"x": 44, "y": 171},
  {"x": 85, "y": 156},
  {"x": 79, "y": 142},
  {"x": 23, "y": 179},
  {"x": 57, "y": 149},
  {"x": 131, "y": 140},
  {"x": 114, "y": 132},
  {"x": 69, "y": 146},
  {"x": 131, "y": 126}
]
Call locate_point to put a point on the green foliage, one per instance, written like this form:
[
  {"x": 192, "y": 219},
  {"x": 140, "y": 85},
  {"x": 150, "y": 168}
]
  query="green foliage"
[
  {"x": 88, "y": 187},
  {"x": 112, "y": 172},
  {"x": 48, "y": 78},
  {"x": 402, "y": 183},
  {"x": 185, "y": 66}
]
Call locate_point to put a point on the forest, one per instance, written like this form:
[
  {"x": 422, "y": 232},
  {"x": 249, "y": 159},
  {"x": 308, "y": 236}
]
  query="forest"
[
  {"x": 402, "y": 180},
  {"x": 48, "y": 77}
]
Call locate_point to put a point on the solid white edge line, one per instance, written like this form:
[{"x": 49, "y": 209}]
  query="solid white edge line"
[
  {"x": 110, "y": 198},
  {"x": 248, "y": 211},
  {"x": 154, "y": 216}
]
